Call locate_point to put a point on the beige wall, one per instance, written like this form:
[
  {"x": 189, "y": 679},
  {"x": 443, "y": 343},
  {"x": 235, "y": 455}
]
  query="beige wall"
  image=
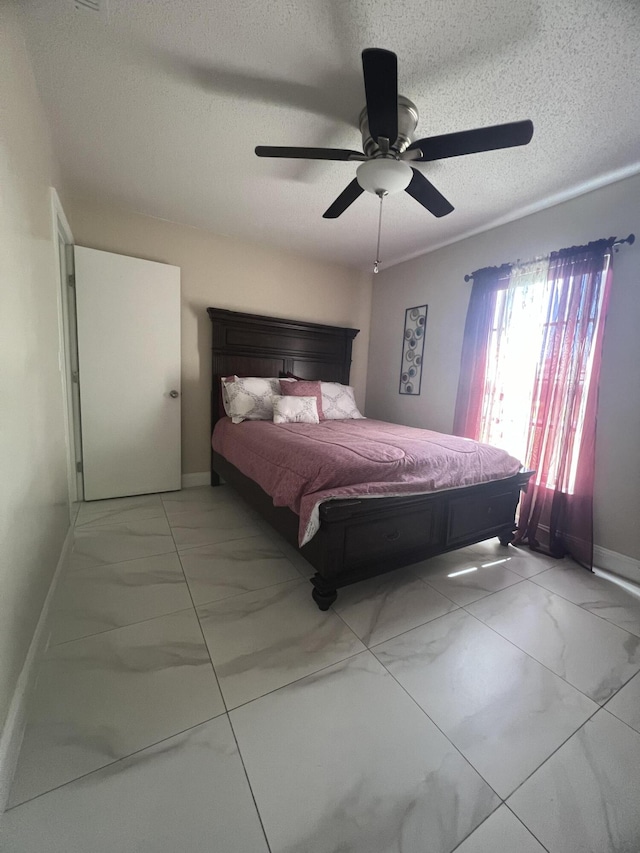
[
  {"x": 228, "y": 273},
  {"x": 438, "y": 280},
  {"x": 33, "y": 486}
]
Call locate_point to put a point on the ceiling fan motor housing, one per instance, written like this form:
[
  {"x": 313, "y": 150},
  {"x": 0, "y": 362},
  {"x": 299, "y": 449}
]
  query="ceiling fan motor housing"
[{"x": 408, "y": 117}]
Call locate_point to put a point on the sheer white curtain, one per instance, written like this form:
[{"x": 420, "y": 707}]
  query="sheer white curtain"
[{"x": 513, "y": 355}]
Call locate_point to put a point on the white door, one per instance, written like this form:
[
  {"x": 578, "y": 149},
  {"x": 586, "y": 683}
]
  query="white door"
[{"x": 128, "y": 315}]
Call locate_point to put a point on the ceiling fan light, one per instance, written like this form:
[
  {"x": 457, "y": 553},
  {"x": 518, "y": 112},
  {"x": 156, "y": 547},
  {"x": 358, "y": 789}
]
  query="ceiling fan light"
[{"x": 384, "y": 175}]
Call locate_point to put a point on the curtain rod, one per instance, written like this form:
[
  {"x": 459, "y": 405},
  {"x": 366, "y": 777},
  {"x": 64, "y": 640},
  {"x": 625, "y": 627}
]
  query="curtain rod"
[{"x": 615, "y": 242}]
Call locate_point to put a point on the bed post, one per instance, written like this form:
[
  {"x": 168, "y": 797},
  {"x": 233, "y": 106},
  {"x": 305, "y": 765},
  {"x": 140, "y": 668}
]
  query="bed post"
[
  {"x": 322, "y": 594},
  {"x": 215, "y": 477}
]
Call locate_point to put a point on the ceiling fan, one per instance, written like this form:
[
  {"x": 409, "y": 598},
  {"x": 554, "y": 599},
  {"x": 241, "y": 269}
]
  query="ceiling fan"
[{"x": 387, "y": 124}]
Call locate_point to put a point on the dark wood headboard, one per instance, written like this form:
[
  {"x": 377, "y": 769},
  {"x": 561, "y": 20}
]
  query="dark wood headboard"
[{"x": 251, "y": 345}]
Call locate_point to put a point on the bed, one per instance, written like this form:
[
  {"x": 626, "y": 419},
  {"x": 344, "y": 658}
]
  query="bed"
[{"x": 356, "y": 538}]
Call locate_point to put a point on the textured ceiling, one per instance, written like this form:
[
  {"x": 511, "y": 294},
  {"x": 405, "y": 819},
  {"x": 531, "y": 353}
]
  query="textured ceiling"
[{"x": 157, "y": 106}]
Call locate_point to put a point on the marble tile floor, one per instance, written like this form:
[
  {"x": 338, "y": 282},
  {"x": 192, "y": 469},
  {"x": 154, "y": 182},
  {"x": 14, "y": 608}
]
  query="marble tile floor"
[{"x": 194, "y": 698}]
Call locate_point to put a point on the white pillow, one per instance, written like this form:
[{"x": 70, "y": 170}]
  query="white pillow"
[
  {"x": 338, "y": 401},
  {"x": 295, "y": 410},
  {"x": 249, "y": 398}
]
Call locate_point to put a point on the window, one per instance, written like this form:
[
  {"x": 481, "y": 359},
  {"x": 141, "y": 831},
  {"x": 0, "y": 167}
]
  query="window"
[{"x": 538, "y": 368}]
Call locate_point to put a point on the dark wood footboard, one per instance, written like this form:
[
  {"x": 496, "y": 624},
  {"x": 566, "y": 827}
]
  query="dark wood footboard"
[{"x": 365, "y": 537}]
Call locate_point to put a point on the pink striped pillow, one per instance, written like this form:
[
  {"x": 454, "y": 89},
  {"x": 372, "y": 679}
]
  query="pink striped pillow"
[{"x": 303, "y": 388}]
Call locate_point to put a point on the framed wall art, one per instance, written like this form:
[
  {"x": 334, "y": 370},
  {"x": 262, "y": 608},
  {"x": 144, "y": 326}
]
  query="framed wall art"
[{"x": 415, "y": 324}]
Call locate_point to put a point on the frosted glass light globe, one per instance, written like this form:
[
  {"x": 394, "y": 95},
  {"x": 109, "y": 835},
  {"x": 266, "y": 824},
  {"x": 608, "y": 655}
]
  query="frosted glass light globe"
[{"x": 384, "y": 176}]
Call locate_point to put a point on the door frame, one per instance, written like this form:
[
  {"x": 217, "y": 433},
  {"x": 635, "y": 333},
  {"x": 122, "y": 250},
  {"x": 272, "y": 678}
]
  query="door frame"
[{"x": 67, "y": 339}]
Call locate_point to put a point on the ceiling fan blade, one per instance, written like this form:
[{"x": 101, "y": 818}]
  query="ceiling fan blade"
[
  {"x": 380, "y": 68},
  {"x": 424, "y": 191},
  {"x": 308, "y": 153},
  {"x": 474, "y": 141},
  {"x": 346, "y": 197}
]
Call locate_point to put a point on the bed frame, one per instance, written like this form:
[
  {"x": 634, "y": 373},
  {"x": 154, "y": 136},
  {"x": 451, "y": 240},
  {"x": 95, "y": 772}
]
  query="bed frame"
[{"x": 357, "y": 538}]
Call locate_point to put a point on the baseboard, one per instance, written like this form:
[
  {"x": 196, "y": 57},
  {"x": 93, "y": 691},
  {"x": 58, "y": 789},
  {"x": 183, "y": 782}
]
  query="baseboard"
[
  {"x": 618, "y": 564},
  {"x": 201, "y": 479},
  {"x": 610, "y": 561},
  {"x": 13, "y": 731}
]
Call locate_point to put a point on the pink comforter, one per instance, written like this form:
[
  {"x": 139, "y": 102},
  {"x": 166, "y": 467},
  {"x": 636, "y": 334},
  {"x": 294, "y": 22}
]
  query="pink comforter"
[{"x": 302, "y": 465}]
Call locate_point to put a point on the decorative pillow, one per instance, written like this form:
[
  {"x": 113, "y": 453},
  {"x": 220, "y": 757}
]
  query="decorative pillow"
[
  {"x": 303, "y": 388},
  {"x": 295, "y": 410},
  {"x": 249, "y": 398},
  {"x": 338, "y": 401},
  {"x": 223, "y": 399}
]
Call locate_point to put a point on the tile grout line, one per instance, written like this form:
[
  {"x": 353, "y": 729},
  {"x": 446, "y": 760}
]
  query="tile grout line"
[
  {"x": 529, "y": 830},
  {"x": 101, "y": 520},
  {"x": 235, "y": 505},
  {"x": 224, "y": 701},
  {"x": 93, "y": 525},
  {"x": 281, "y": 553},
  {"x": 535, "y": 770},
  {"x": 495, "y": 630},
  {"x": 370, "y": 649},
  {"x": 417, "y": 704},
  {"x": 119, "y": 627},
  {"x": 184, "y": 580},
  {"x": 299, "y": 581},
  {"x": 297, "y": 680},
  {"x": 346, "y": 624},
  {"x": 484, "y": 820},
  {"x": 155, "y": 743},
  {"x": 115, "y": 761},
  {"x": 228, "y": 715},
  {"x": 582, "y": 607},
  {"x": 528, "y": 654},
  {"x": 507, "y": 640},
  {"x": 613, "y": 695},
  {"x": 72, "y": 573},
  {"x": 564, "y": 742},
  {"x": 244, "y": 592},
  {"x": 172, "y": 735},
  {"x": 69, "y": 572},
  {"x": 209, "y": 508},
  {"x": 246, "y": 773},
  {"x": 195, "y": 613},
  {"x": 488, "y": 592},
  {"x": 415, "y": 628},
  {"x": 427, "y": 584},
  {"x": 389, "y": 639},
  {"x": 620, "y": 720},
  {"x": 207, "y": 544},
  {"x": 224, "y": 542}
]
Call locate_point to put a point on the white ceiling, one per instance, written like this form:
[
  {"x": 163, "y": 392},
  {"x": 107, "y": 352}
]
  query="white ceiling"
[{"x": 157, "y": 105}]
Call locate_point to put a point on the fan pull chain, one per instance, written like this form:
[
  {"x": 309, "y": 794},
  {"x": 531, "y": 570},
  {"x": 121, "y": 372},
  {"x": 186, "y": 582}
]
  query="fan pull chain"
[{"x": 376, "y": 264}]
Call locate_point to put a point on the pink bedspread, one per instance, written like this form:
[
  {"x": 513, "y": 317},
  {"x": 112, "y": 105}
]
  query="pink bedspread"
[{"x": 302, "y": 465}]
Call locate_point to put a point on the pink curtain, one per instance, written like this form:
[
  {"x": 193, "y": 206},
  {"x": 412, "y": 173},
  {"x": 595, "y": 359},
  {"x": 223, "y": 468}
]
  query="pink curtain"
[
  {"x": 475, "y": 347},
  {"x": 556, "y": 512}
]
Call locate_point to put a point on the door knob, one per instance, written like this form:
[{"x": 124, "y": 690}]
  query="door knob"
[{"x": 174, "y": 394}]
